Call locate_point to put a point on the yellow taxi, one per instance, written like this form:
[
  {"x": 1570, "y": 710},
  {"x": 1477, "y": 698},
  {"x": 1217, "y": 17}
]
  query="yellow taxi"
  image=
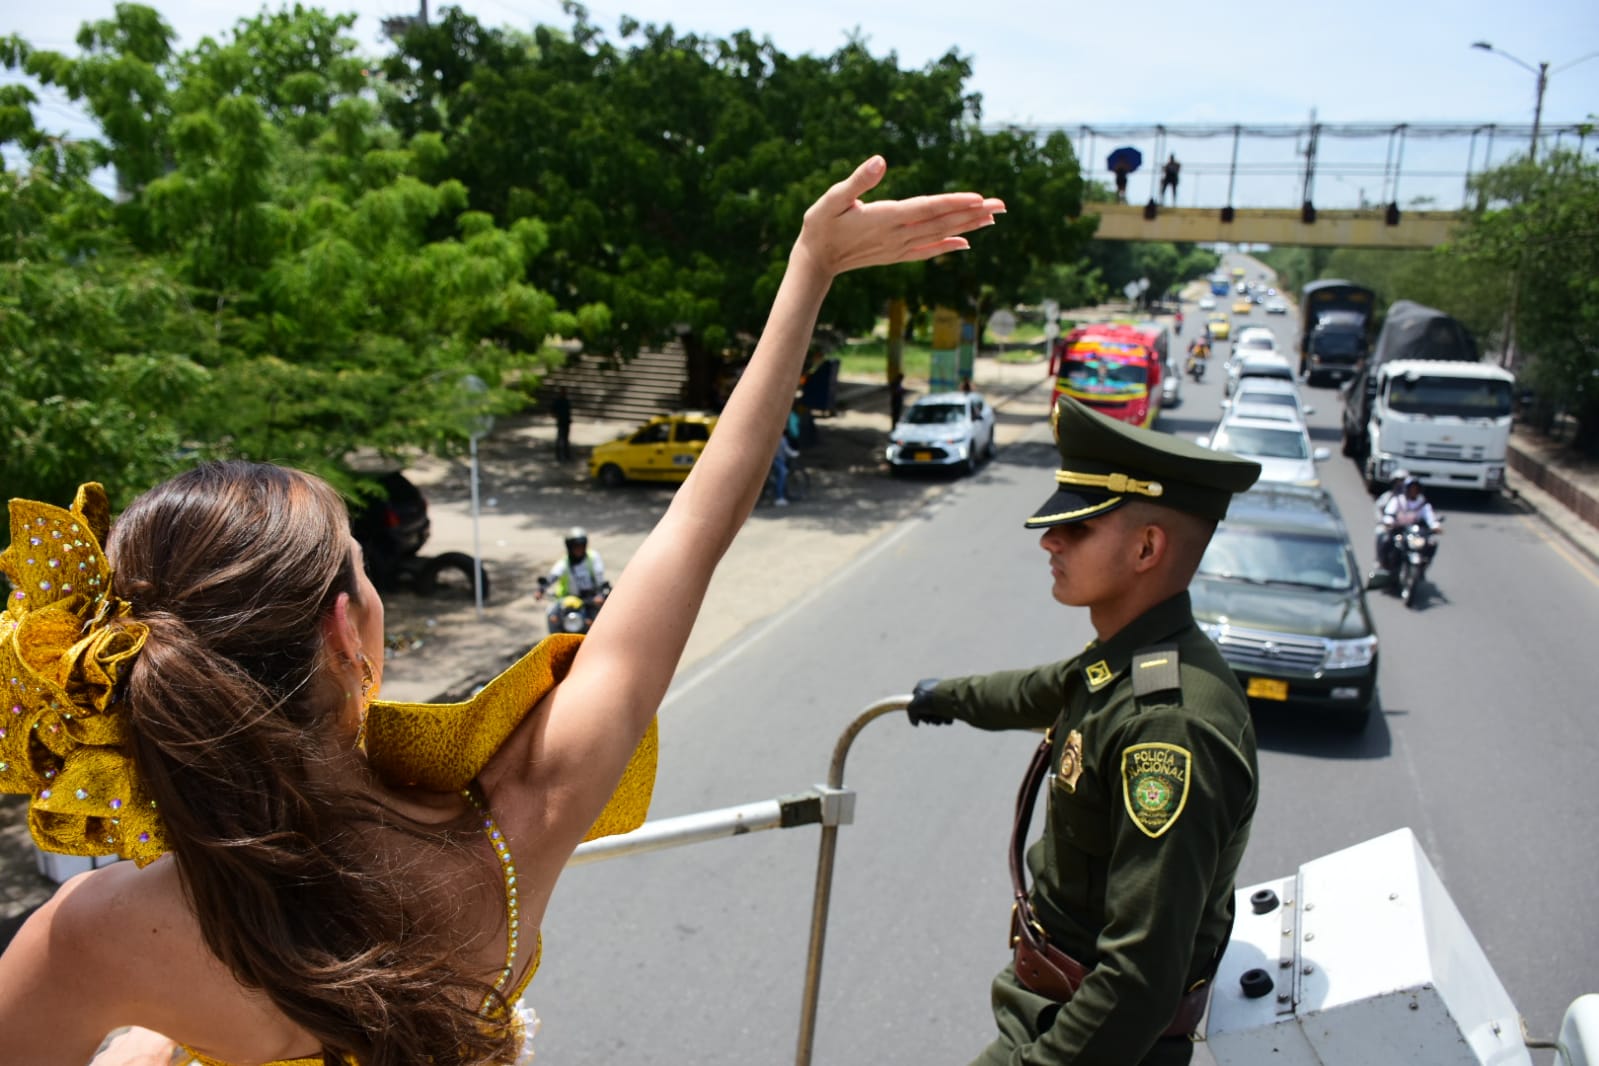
[
  {"x": 1219, "y": 326},
  {"x": 1242, "y": 307},
  {"x": 663, "y": 449}
]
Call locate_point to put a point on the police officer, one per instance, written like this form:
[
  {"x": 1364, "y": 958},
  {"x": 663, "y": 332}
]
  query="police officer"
[{"x": 1150, "y": 760}]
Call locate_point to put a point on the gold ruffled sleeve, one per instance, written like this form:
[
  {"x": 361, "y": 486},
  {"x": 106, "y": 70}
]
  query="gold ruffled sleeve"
[{"x": 443, "y": 746}]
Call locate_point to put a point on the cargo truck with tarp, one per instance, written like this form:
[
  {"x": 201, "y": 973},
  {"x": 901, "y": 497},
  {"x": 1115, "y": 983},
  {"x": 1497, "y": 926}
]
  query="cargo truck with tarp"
[{"x": 1424, "y": 403}]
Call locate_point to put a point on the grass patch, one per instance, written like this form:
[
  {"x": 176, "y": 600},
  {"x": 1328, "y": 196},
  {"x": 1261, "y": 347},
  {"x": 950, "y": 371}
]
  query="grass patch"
[{"x": 869, "y": 358}]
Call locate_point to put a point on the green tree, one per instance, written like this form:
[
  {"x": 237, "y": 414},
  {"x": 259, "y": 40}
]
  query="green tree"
[
  {"x": 674, "y": 169},
  {"x": 330, "y": 296},
  {"x": 91, "y": 337},
  {"x": 1539, "y": 231}
]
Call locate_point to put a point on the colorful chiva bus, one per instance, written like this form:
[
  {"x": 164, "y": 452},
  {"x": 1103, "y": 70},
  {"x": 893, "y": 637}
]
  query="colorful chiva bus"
[{"x": 1115, "y": 369}]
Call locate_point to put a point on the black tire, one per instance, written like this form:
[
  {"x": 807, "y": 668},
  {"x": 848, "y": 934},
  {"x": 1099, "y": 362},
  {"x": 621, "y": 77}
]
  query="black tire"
[
  {"x": 1415, "y": 584},
  {"x": 610, "y": 476},
  {"x": 1346, "y": 443},
  {"x": 451, "y": 575},
  {"x": 991, "y": 450}
]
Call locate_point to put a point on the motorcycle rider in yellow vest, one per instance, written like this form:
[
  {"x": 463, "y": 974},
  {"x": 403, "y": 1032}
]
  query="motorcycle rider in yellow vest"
[{"x": 579, "y": 572}]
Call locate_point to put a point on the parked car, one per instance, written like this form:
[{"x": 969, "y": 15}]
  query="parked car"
[
  {"x": 1257, "y": 364},
  {"x": 1280, "y": 593},
  {"x": 392, "y": 527},
  {"x": 943, "y": 429},
  {"x": 663, "y": 449},
  {"x": 1171, "y": 383},
  {"x": 1281, "y": 447}
]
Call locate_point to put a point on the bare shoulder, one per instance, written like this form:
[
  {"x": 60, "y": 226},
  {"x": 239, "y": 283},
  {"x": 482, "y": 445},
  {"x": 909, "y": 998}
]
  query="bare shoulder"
[
  {"x": 120, "y": 946},
  {"x": 91, "y": 959}
]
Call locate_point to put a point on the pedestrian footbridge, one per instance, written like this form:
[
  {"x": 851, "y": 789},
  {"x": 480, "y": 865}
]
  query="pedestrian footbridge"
[
  {"x": 1351, "y": 228},
  {"x": 1352, "y": 184}
]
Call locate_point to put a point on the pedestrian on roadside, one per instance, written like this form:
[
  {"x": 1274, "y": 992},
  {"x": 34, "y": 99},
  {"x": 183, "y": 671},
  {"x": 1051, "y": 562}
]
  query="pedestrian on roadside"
[
  {"x": 896, "y": 398},
  {"x": 784, "y": 454},
  {"x": 1121, "y": 171},
  {"x": 316, "y": 875},
  {"x": 561, "y": 408},
  {"x": 1168, "y": 179},
  {"x": 1149, "y": 755}
]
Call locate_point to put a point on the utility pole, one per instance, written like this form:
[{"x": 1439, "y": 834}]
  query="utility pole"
[{"x": 397, "y": 26}]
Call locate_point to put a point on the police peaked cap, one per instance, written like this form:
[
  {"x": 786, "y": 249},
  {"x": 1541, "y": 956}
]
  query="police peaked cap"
[{"x": 1105, "y": 463}]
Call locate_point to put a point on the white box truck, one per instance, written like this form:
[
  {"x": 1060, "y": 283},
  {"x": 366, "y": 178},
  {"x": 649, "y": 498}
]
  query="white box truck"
[{"x": 1423, "y": 403}]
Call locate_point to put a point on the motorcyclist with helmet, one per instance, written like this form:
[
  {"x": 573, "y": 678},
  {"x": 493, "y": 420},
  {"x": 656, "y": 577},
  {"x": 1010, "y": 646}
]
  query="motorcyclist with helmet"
[
  {"x": 1380, "y": 533},
  {"x": 1198, "y": 352},
  {"x": 1404, "y": 508},
  {"x": 579, "y": 572}
]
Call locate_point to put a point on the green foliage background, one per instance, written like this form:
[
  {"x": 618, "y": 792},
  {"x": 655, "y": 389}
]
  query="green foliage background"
[{"x": 310, "y": 249}]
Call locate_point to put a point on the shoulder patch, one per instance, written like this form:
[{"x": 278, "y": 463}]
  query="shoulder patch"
[
  {"x": 1155, "y": 779},
  {"x": 1155, "y": 670}
]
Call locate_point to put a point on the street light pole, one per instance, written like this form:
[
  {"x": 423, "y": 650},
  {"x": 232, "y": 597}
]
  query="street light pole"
[
  {"x": 1541, "y": 72},
  {"x": 1537, "y": 111}
]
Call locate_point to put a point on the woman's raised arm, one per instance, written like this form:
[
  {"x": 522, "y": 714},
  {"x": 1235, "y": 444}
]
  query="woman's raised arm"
[{"x": 591, "y": 722}]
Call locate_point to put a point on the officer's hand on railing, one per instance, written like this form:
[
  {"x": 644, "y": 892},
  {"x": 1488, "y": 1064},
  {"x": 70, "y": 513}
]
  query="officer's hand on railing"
[{"x": 920, "y": 708}]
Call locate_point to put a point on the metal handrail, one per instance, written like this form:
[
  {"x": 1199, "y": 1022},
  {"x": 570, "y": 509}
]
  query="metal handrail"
[
  {"x": 830, "y": 805},
  {"x": 824, "y": 874}
]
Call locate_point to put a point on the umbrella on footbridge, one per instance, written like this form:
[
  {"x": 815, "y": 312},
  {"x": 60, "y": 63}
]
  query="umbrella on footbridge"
[{"x": 1124, "y": 160}]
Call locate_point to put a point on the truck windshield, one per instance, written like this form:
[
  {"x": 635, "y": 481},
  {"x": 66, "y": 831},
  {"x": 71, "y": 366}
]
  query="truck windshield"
[
  {"x": 1458, "y": 397},
  {"x": 1336, "y": 343}
]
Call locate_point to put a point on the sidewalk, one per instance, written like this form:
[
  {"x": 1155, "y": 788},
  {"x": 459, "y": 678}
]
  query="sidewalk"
[{"x": 1561, "y": 486}]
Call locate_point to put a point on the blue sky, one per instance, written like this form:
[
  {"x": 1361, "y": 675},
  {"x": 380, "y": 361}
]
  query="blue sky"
[{"x": 1152, "y": 62}]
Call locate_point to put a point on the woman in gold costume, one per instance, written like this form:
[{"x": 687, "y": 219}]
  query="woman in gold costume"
[{"x": 318, "y": 876}]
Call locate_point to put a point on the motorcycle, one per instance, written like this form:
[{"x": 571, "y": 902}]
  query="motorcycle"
[
  {"x": 1410, "y": 553},
  {"x": 574, "y": 613},
  {"x": 1196, "y": 364}
]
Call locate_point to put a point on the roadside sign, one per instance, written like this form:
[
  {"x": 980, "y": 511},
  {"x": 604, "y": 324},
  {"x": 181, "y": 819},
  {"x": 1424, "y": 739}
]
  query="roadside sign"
[
  {"x": 1051, "y": 311},
  {"x": 1051, "y": 330},
  {"x": 1002, "y": 324},
  {"x": 1132, "y": 290}
]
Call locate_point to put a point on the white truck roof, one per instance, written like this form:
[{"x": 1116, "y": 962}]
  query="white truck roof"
[{"x": 1446, "y": 368}]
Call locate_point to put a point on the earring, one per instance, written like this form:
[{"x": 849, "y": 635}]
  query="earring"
[
  {"x": 368, "y": 681},
  {"x": 368, "y": 684}
]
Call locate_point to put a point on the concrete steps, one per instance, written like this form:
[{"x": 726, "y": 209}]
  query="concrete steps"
[{"x": 606, "y": 387}]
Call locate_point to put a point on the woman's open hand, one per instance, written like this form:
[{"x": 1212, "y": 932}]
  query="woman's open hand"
[{"x": 841, "y": 233}]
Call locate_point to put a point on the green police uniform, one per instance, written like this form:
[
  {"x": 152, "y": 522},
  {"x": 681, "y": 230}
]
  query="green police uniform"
[{"x": 1153, "y": 781}]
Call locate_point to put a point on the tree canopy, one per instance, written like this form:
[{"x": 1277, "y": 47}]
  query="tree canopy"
[{"x": 310, "y": 248}]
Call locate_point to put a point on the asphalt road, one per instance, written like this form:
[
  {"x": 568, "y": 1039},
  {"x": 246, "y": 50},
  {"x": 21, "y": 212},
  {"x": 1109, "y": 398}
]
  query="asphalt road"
[{"x": 1483, "y": 748}]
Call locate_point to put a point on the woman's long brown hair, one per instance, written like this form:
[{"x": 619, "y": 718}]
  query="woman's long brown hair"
[{"x": 233, "y": 567}]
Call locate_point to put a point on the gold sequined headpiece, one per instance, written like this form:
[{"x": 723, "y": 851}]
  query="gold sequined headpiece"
[{"x": 63, "y": 734}]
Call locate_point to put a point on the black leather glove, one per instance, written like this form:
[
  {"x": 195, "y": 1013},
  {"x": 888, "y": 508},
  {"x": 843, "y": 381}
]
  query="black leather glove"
[{"x": 920, "y": 708}]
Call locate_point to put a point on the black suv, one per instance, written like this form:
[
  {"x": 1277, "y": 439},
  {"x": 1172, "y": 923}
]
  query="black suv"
[
  {"x": 1280, "y": 593},
  {"x": 392, "y": 528}
]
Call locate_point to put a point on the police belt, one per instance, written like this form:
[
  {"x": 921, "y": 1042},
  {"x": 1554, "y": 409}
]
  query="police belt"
[{"x": 1042, "y": 967}]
